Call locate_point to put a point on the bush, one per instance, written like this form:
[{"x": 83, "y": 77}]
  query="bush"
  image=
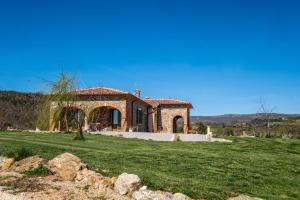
[
  {"x": 200, "y": 128},
  {"x": 229, "y": 132},
  {"x": 19, "y": 154},
  {"x": 177, "y": 138},
  {"x": 9, "y": 154},
  {"x": 39, "y": 171}
]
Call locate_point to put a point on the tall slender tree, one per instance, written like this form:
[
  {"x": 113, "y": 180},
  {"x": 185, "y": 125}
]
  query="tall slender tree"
[{"x": 62, "y": 94}]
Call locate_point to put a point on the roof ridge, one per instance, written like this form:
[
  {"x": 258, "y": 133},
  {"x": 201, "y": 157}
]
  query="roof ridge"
[
  {"x": 115, "y": 89},
  {"x": 158, "y": 99},
  {"x": 102, "y": 87}
]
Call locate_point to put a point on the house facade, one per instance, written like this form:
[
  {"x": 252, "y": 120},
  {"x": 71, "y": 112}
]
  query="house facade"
[{"x": 107, "y": 109}]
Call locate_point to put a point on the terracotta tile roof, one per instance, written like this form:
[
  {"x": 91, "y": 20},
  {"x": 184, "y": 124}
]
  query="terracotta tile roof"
[
  {"x": 149, "y": 101},
  {"x": 99, "y": 91},
  {"x": 156, "y": 102}
]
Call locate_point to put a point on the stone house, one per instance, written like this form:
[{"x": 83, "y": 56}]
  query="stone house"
[{"x": 107, "y": 109}]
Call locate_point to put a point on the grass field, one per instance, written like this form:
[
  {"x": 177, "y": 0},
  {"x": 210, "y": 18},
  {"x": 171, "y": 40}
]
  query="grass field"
[{"x": 266, "y": 168}]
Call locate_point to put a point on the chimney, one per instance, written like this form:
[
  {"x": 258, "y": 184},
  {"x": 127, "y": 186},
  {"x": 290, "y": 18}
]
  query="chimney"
[{"x": 137, "y": 93}]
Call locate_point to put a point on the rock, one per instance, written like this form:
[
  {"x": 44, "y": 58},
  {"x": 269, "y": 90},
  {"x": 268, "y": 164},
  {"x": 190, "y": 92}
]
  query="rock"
[
  {"x": 28, "y": 163},
  {"x": 145, "y": 194},
  {"x": 66, "y": 166},
  {"x": 90, "y": 178},
  {"x": 179, "y": 196},
  {"x": 7, "y": 163},
  {"x": 1, "y": 160},
  {"x": 87, "y": 177},
  {"x": 127, "y": 184},
  {"x": 244, "y": 197}
]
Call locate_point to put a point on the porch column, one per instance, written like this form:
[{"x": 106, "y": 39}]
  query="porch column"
[
  {"x": 86, "y": 125},
  {"x": 124, "y": 124},
  {"x": 51, "y": 121},
  {"x": 186, "y": 128},
  {"x": 186, "y": 125}
]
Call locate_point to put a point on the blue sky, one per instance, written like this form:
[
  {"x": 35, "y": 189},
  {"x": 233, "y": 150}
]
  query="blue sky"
[{"x": 220, "y": 55}]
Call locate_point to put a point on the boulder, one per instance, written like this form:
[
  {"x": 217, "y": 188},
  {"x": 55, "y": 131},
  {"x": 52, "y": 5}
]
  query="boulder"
[
  {"x": 87, "y": 177},
  {"x": 127, "y": 184},
  {"x": 179, "y": 196},
  {"x": 1, "y": 160},
  {"x": 28, "y": 163},
  {"x": 244, "y": 197},
  {"x": 66, "y": 166},
  {"x": 7, "y": 163},
  {"x": 145, "y": 194}
]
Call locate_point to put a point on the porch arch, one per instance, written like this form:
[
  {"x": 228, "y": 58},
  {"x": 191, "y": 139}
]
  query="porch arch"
[
  {"x": 69, "y": 118},
  {"x": 178, "y": 124},
  {"x": 105, "y": 118}
]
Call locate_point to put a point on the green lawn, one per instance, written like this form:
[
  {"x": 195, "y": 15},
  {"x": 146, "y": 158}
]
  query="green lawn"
[{"x": 266, "y": 168}]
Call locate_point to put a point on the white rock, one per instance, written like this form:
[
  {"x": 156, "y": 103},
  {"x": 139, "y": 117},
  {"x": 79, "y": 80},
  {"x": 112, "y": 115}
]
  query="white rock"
[
  {"x": 145, "y": 195},
  {"x": 1, "y": 161},
  {"x": 127, "y": 184},
  {"x": 244, "y": 197},
  {"x": 179, "y": 196}
]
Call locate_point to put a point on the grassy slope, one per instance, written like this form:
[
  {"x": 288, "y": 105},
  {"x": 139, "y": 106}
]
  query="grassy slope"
[{"x": 267, "y": 168}]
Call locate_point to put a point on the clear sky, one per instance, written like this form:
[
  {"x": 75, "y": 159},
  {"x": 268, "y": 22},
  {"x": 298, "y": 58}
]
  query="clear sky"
[{"x": 220, "y": 55}]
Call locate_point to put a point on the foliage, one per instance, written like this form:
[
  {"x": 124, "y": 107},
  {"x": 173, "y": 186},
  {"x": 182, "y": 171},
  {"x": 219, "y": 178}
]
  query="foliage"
[
  {"x": 177, "y": 138},
  {"x": 19, "y": 154},
  {"x": 62, "y": 96},
  {"x": 41, "y": 170},
  {"x": 200, "y": 128},
  {"x": 200, "y": 170},
  {"x": 19, "y": 110}
]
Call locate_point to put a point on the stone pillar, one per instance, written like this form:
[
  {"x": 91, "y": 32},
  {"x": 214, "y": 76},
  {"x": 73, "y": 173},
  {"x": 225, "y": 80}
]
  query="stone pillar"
[
  {"x": 186, "y": 128},
  {"x": 124, "y": 124},
  {"x": 86, "y": 125},
  {"x": 51, "y": 121}
]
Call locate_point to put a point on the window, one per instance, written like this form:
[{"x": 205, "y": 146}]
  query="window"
[{"x": 139, "y": 116}]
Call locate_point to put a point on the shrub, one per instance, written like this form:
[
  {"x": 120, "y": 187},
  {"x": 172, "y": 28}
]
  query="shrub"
[
  {"x": 200, "y": 128},
  {"x": 19, "y": 154},
  {"x": 39, "y": 171},
  {"x": 9, "y": 154},
  {"x": 177, "y": 138},
  {"x": 229, "y": 132},
  {"x": 23, "y": 153}
]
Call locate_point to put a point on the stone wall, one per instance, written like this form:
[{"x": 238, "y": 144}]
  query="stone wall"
[
  {"x": 168, "y": 113},
  {"x": 140, "y": 127},
  {"x": 158, "y": 119},
  {"x": 89, "y": 106}
]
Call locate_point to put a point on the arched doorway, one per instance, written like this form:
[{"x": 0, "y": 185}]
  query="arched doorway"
[
  {"x": 105, "y": 119},
  {"x": 70, "y": 119},
  {"x": 178, "y": 124}
]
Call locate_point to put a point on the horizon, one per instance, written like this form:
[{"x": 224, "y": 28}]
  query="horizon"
[{"x": 220, "y": 56}]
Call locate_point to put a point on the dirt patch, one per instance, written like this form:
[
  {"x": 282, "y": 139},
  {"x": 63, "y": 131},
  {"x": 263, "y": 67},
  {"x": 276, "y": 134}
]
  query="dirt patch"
[
  {"x": 15, "y": 184},
  {"x": 18, "y": 186}
]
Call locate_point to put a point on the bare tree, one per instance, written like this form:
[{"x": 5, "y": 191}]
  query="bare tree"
[
  {"x": 267, "y": 113},
  {"x": 63, "y": 95}
]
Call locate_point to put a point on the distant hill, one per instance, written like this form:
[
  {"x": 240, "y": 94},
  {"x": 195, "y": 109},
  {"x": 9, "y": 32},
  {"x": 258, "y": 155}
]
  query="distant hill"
[
  {"x": 19, "y": 110},
  {"x": 235, "y": 118}
]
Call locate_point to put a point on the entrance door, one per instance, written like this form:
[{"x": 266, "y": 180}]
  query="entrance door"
[{"x": 115, "y": 119}]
